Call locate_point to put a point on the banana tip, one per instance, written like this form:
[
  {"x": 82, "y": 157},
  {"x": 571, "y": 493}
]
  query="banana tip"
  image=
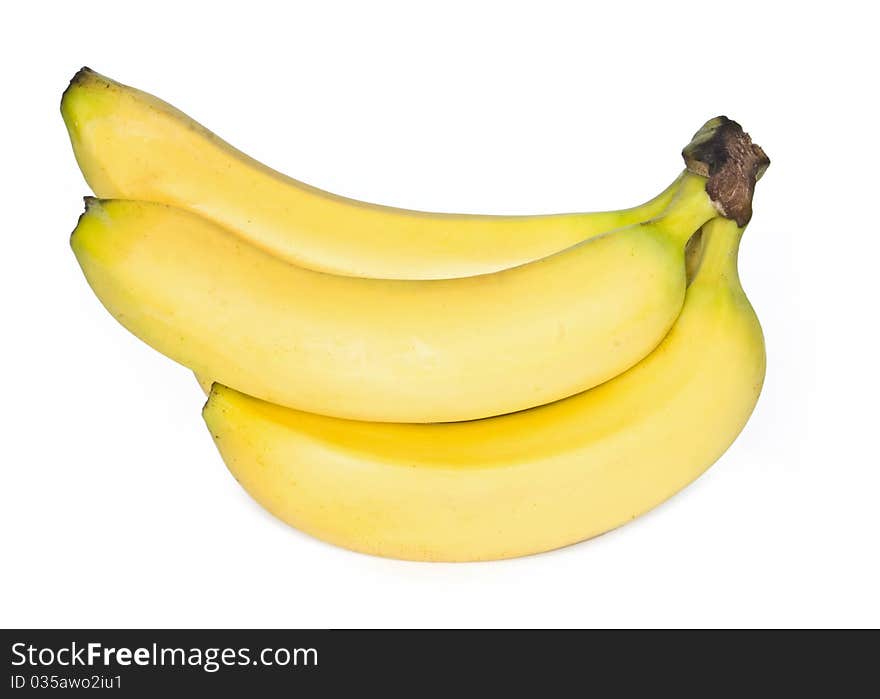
[
  {"x": 80, "y": 77},
  {"x": 213, "y": 392},
  {"x": 212, "y": 404},
  {"x": 92, "y": 207},
  {"x": 84, "y": 77}
]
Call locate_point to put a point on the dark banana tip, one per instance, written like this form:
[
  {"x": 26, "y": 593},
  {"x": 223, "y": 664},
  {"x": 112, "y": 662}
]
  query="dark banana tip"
[
  {"x": 74, "y": 81},
  {"x": 89, "y": 202},
  {"x": 83, "y": 76},
  {"x": 722, "y": 152},
  {"x": 90, "y": 206}
]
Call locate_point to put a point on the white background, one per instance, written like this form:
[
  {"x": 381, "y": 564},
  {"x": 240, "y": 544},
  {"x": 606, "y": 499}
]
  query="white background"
[{"x": 115, "y": 509}]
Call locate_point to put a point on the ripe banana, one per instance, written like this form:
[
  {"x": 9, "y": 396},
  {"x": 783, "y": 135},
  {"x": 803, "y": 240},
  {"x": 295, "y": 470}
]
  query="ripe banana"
[
  {"x": 131, "y": 145},
  {"x": 389, "y": 350},
  {"x": 522, "y": 483}
]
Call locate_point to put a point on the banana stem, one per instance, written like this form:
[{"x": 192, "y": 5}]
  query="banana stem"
[
  {"x": 720, "y": 248},
  {"x": 690, "y": 209},
  {"x": 723, "y": 166}
]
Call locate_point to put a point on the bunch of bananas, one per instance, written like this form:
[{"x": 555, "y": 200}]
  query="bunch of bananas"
[{"x": 418, "y": 385}]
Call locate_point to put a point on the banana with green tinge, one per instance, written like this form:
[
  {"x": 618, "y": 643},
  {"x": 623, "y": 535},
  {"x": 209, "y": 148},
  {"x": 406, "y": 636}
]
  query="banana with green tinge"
[{"x": 521, "y": 483}]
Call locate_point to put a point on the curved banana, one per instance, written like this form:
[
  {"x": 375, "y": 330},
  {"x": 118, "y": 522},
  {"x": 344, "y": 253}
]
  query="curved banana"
[
  {"x": 389, "y": 350},
  {"x": 131, "y": 145},
  {"x": 521, "y": 483}
]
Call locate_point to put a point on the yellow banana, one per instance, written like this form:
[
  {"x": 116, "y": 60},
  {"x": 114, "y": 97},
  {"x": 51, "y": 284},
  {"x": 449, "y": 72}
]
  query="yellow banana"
[
  {"x": 131, "y": 145},
  {"x": 691, "y": 260},
  {"x": 521, "y": 483},
  {"x": 389, "y": 350}
]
